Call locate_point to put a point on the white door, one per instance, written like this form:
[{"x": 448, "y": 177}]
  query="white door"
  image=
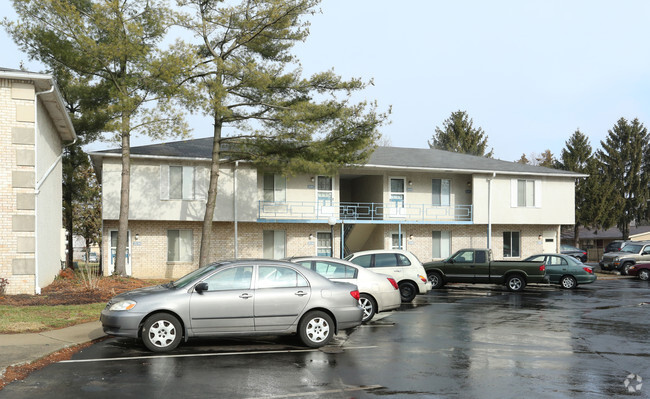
[
  {"x": 113, "y": 243},
  {"x": 549, "y": 245}
]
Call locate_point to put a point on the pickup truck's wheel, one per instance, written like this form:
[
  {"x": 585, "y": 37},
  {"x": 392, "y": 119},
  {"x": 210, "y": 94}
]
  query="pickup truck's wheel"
[
  {"x": 515, "y": 283},
  {"x": 568, "y": 282},
  {"x": 408, "y": 291},
  {"x": 625, "y": 269},
  {"x": 161, "y": 332},
  {"x": 436, "y": 280},
  {"x": 644, "y": 274},
  {"x": 369, "y": 307}
]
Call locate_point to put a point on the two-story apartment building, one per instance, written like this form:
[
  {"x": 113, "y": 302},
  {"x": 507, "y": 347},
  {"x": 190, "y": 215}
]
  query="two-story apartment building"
[
  {"x": 429, "y": 202},
  {"x": 34, "y": 127}
]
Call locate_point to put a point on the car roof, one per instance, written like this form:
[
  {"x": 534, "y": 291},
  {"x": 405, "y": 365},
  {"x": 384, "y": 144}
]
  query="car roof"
[{"x": 382, "y": 251}]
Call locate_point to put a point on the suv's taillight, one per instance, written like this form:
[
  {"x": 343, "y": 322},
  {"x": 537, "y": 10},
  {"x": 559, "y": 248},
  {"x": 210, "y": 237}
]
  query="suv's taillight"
[
  {"x": 393, "y": 283},
  {"x": 355, "y": 294}
]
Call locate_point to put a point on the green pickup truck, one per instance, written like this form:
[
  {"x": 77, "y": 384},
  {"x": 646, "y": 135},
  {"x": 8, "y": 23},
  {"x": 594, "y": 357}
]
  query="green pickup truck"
[{"x": 477, "y": 266}]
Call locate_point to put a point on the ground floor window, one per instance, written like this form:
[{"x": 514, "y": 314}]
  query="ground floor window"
[
  {"x": 179, "y": 246},
  {"x": 396, "y": 241},
  {"x": 274, "y": 243},
  {"x": 511, "y": 244},
  {"x": 441, "y": 244},
  {"x": 324, "y": 244}
]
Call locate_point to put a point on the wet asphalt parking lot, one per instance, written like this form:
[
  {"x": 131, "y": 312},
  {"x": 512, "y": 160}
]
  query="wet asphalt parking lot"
[{"x": 463, "y": 341}]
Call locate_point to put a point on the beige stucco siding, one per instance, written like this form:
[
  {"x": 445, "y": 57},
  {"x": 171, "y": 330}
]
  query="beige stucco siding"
[
  {"x": 147, "y": 202},
  {"x": 557, "y": 199}
]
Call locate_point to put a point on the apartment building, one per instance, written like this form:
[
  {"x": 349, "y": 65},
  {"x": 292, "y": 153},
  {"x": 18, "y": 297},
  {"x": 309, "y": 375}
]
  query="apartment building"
[
  {"x": 429, "y": 202},
  {"x": 34, "y": 127}
]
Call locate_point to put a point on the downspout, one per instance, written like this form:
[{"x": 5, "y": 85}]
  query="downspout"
[
  {"x": 234, "y": 199},
  {"x": 489, "y": 229},
  {"x": 39, "y": 183}
]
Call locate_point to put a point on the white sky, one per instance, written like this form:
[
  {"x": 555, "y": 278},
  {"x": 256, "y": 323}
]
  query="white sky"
[{"x": 528, "y": 72}]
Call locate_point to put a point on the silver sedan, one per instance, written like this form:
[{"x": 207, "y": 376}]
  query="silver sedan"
[
  {"x": 236, "y": 298},
  {"x": 378, "y": 292}
]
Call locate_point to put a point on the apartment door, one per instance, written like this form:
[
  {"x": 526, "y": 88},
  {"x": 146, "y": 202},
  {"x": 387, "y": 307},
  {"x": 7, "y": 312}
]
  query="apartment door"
[
  {"x": 549, "y": 244},
  {"x": 113, "y": 234}
]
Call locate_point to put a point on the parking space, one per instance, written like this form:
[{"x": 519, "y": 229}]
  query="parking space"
[{"x": 468, "y": 341}]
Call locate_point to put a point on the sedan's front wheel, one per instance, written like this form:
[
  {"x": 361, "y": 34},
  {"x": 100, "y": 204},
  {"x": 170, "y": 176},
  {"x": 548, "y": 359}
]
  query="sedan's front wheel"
[
  {"x": 161, "y": 332},
  {"x": 316, "y": 329}
]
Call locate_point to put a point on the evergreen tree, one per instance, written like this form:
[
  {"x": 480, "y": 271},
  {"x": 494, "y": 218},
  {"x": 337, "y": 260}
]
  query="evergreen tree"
[
  {"x": 546, "y": 160},
  {"x": 523, "y": 160},
  {"x": 459, "y": 135},
  {"x": 114, "y": 44},
  {"x": 591, "y": 193},
  {"x": 623, "y": 160},
  {"x": 245, "y": 77}
]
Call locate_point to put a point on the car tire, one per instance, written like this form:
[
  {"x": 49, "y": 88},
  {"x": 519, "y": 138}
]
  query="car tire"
[
  {"x": 407, "y": 291},
  {"x": 515, "y": 283},
  {"x": 369, "y": 307},
  {"x": 625, "y": 269},
  {"x": 568, "y": 282},
  {"x": 644, "y": 274},
  {"x": 316, "y": 329},
  {"x": 436, "y": 280},
  {"x": 161, "y": 332}
]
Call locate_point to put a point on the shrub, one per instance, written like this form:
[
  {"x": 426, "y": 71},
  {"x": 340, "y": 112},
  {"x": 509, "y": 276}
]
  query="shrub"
[{"x": 4, "y": 282}]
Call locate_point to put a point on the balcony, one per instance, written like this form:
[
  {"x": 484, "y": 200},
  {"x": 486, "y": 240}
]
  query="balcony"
[{"x": 360, "y": 212}]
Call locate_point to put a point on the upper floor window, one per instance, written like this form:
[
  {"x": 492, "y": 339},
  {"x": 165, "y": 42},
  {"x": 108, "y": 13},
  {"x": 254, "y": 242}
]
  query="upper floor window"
[
  {"x": 397, "y": 191},
  {"x": 275, "y": 188},
  {"x": 441, "y": 189},
  {"x": 526, "y": 193},
  {"x": 182, "y": 182},
  {"x": 325, "y": 189}
]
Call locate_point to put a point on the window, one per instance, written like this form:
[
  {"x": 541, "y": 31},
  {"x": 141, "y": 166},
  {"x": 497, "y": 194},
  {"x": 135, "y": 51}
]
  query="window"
[
  {"x": 464, "y": 257},
  {"x": 178, "y": 182},
  {"x": 363, "y": 260},
  {"x": 511, "y": 244},
  {"x": 441, "y": 244},
  {"x": 391, "y": 260},
  {"x": 526, "y": 193},
  {"x": 396, "y": 241},
  {"x": 324, "y": 244},
  {"x": 325, "y": 189},
  {"x": 333, "y": 270},
  {"x": 236, "y": 278},
  {"x": 273, "y": 244},
  {"x": 397, "y": 192},
  {"x": 275, "y": 188},
  {"x": 279, "y": 277},
  {"x": 441, "y": 189},
  {"x": 179, "y": 246}
]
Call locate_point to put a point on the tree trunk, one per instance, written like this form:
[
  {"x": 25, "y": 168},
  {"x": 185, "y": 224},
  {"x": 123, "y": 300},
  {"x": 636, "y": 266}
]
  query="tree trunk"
[
  {"x": 123, "y": 228},
  {"x": 206, "y": 234}
]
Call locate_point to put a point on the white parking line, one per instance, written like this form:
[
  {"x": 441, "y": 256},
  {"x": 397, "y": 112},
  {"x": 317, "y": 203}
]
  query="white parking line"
[
  {"x": 113, "y": 359},
  {"x": 302, "y": 394}
]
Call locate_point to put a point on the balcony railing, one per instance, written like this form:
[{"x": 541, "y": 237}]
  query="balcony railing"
[{"x": 364, "y": 211}]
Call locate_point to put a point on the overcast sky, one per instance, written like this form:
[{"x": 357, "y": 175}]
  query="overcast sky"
[{"x": 528, "y": 72}]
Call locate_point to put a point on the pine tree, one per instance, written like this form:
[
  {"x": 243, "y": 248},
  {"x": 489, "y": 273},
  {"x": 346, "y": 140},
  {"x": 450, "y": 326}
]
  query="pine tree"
[
  {"x": 623, "y": 161},
  {"x": 459, "y": 135}
]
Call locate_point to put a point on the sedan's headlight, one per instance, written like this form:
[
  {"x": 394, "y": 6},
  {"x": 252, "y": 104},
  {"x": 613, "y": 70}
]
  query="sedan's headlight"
[{"x": 122, "y": 305}]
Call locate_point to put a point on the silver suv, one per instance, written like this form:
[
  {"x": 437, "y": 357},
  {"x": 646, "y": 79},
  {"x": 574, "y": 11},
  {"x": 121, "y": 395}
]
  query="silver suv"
[
  {"x": 403, "y": 266},
  {"x": 633, "y": 252}
]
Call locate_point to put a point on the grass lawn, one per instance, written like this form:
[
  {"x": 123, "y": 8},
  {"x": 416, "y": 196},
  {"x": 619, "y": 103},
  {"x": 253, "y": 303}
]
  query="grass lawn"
[{"x": 21, "y": 319}]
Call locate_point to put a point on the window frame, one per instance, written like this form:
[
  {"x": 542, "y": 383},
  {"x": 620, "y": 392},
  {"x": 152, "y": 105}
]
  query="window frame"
[{"x": 510, "y": 254}]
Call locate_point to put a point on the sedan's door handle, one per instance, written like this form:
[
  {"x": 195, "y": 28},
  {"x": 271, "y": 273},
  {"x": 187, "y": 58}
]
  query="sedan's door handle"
[
  {"x": 301, "y": 293},
  {"x": 245, "y": 296}
]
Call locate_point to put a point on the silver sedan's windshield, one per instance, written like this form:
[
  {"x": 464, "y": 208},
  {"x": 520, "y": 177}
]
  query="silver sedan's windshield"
[{"x": 188, "y": 278}]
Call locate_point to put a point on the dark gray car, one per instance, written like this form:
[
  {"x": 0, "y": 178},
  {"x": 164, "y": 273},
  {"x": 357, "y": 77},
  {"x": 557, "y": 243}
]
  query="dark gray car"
[{"x": 236, "y": 298}]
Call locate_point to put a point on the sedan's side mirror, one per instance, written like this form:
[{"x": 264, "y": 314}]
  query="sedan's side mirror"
[
  {"x": 451, "y": 261},
  {"x": 200, "y": 287}
]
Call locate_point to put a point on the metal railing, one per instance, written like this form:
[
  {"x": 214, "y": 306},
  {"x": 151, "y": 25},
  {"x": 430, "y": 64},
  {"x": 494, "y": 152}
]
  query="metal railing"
[{"x": 364, "y": 211}]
